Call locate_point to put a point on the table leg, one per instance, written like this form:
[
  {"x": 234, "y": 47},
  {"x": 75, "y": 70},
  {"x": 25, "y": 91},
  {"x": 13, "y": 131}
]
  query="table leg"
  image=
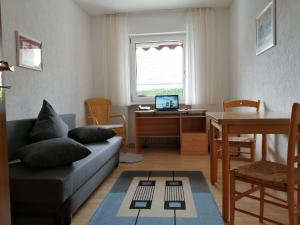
[
  {"x": 225, "y": 172},
  {"x": 136, "y": 135},
  {"x": 298, "y": 186},
  {"x": 212, "y": 153},
  {"x": 137, "y": 143},
  {"x": 264, "y": 147}
]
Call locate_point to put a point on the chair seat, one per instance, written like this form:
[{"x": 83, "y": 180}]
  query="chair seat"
[
  {"x": 238, "y": 139},
  {"x": 267, "y": 173},
  {"x": 112, "y": 126}
]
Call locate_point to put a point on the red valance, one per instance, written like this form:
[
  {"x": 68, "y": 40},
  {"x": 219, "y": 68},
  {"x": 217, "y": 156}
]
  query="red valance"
[{"x": 159, "y": 47}]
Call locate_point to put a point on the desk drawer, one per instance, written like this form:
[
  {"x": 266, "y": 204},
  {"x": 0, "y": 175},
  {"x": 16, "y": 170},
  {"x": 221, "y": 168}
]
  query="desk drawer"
[{"x": 194, "y": 144}]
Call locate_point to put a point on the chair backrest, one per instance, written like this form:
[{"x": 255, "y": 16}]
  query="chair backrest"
[
  {"x": 241, "y": 103},
  {"x": 293, "y": 156},
  {"x": 100, "y": 109}
]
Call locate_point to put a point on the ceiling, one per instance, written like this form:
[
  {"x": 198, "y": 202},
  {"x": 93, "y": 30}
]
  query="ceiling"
[{"x": 99, "y": 7}]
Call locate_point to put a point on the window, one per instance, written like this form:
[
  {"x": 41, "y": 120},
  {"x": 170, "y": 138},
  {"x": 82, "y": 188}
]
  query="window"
[{"x": 157, "y": 66}]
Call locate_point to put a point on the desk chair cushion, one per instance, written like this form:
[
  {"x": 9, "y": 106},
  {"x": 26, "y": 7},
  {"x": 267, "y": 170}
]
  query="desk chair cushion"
[
  {"x": 112, "y": 126},
  {"x": 239, "y": 139},
  {"x": 91, "y": 133},
  {"x": 266, "y": 172}
]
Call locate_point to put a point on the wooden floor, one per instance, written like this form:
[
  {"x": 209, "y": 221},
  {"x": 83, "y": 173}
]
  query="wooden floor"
[{"x": 162, "y": 159}]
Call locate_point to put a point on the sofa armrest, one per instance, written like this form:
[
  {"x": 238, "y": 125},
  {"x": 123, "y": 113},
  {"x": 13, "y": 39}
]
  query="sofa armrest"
[{"x": 120, "y": 116}]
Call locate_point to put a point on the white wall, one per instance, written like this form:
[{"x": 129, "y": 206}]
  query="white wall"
[
  {"x": 159, "y": 22},
  {"x": 273, "y": 76},
  {"x": 66, "y": 79},
  {"x": 156, "y": 21},
  {"x": 98, "y": 56}
]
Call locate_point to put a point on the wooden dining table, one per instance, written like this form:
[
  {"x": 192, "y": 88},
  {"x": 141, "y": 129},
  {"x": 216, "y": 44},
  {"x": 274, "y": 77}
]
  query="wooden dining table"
[{"x": 243, "y": 123}]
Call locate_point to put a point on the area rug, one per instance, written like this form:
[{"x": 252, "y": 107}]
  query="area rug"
[
  {"x": 158, "y": 198},
  {"x": 126, "y": 157}
]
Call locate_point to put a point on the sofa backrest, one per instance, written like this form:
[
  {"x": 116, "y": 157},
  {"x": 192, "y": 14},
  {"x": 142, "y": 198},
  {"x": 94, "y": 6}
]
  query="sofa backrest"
[{"x": 18, "y": 132}]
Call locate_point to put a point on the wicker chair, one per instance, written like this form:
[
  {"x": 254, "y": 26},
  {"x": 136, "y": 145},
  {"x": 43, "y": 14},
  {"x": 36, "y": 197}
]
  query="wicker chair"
[
  {"x": 236, "y": 142},
  {"x": 266, "y": 174},
  {"x": 99, "y": 113}
]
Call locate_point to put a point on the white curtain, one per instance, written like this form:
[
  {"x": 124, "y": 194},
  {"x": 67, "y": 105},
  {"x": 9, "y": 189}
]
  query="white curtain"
[
  {"x": 116, "y": 43},
  {"x": 200, "y": 57}
]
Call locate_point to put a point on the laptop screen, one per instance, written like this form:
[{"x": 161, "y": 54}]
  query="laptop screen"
[{"x": 166, "y": 102}]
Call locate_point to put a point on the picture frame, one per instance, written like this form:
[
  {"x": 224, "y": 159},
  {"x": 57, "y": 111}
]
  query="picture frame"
[
  {"x": 29, "y": 52},
  {"x": 266, "y": 29}
]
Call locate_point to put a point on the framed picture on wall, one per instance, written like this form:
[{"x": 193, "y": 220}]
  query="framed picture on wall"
[
  {"x": 29, "y": 52},
  {"x": 265, "y": 28}
]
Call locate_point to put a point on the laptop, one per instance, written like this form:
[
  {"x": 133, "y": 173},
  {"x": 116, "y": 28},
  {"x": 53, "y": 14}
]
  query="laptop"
[{"x": 166, "y": 102}]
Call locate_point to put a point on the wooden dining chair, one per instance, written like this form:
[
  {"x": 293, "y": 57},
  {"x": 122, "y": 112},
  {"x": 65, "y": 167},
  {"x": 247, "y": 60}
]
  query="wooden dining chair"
[
  {"x": 99, "y": 113},
  {"x": 266, "y": 174},
  {"x": 235, "y": 142}
]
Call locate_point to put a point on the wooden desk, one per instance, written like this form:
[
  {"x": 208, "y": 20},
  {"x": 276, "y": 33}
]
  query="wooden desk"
[
  {"x": 189, "y": 126},
  {"x": 243, "y": 123}
]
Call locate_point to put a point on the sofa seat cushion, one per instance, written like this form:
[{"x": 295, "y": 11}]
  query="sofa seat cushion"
[{"x": 55, "y": 185}]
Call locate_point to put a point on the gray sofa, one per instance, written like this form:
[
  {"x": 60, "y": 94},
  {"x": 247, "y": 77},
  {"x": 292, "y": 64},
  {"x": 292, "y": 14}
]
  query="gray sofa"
[{"x": 59, "y": 191}]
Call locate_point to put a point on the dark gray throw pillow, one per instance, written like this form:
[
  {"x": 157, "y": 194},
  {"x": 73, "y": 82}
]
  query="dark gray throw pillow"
[
  {"x": 91, "y": 133},
  {"x": 51, "y": 153},
  {"x": 48, "y": 125}
]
